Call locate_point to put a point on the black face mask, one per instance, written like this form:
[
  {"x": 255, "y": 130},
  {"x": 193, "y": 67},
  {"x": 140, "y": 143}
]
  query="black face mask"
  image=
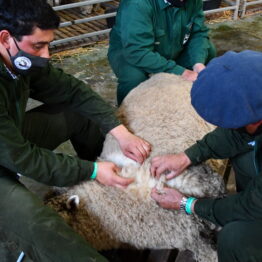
[
  {"x": 177, "y": 3},
  {"x": 25, "y": 63}
]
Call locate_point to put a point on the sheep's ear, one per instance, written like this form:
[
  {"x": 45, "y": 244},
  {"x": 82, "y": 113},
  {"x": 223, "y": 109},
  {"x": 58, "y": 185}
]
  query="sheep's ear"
[{"x": 72, "y": 202}]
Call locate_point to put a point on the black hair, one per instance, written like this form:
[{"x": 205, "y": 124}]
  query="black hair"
[{"x": 21, "y": 17}]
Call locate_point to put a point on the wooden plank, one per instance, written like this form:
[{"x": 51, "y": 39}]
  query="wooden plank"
[
  {"x": 162, "y": 255},
  {"x": 185, "y": 256},
  {"x": 126, "y": 255}
]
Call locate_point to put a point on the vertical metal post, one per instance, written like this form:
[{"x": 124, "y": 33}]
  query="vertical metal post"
[{"x": 236, "y": 10}]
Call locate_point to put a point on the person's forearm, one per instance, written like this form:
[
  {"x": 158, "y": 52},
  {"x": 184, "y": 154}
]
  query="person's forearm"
[
  {"x": 219, "y": 144},
  {"x": 119, "y": 132},
  {"x": 245, "y": 205}
]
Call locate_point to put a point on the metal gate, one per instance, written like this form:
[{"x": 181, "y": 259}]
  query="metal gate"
[{"x": 78, "y": 29}]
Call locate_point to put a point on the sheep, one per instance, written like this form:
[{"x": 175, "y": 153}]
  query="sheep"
[{"x": 158, "y": 110}]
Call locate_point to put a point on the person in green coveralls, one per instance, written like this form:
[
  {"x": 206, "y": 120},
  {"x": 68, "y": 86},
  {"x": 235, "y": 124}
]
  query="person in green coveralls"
[
  {"x": 228, "y": 94},
  {"x": 70, "y": 110},
  {"x": 152, "y": 36}
]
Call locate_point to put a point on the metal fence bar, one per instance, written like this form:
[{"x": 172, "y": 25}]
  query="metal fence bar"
[
  {"x": 234, "y": 5},
  {"x": 254, "y": 3},
  {"x": 245, "y": 4},
  {"x": 78, "y": 37},
  {"x": 83, "y": 3},
  {"x": 237, "y": 10},
  {"x": 84, "y": 20},
  {"x": 229, "y": 2},
  {"x": 221, "y": 9}
]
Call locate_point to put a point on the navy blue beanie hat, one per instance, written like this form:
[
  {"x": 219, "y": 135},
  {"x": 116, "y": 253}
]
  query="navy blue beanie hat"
[{"x": 228, "y": 92}]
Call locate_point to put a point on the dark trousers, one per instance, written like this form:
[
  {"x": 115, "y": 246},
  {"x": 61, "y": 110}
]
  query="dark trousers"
[
  {"x": 241, "y": 241},
  {"x": 38, "y": 230}
]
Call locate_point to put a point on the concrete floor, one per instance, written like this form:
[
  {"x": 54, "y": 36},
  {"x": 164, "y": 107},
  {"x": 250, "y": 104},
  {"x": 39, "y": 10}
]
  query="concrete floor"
[{"x": 91, "y": 66}]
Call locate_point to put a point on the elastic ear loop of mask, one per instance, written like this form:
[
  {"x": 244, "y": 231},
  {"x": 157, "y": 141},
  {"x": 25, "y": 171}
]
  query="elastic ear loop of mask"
[{"x": 18, "y": 48}]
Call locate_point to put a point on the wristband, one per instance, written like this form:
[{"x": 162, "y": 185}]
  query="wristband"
[
  {"x": 94, "y": 174},
  {"x": 188, "y": 206}
]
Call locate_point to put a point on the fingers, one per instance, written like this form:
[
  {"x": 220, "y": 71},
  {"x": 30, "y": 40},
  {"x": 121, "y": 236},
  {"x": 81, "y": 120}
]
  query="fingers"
[
  {"x": 152, "y": 171},
  {"x": 160, "y": 198},
  {"x": 146, "y": 146},
  {"x": 153, "y": 166},
  {"x": 116, "y": 169},
  {"x": 158, "y": 166},
  {"x": 136, "y": 155},
  {"x": 122, "y": 182},
  {"x": 140, "y": 152},
  {"x": 198, "y": 67},
  {"x": 160, "y": 170},
  {"x": 189, "y": 75},
  {"x": 155, "y": 194},
  {"x": 170, "y": 199},
  {"x": 171, "y": 175},
  {"x": 144, "y": 149},
  {"x": 118, "y": 181},
  {"x": 107, "y": 175}
]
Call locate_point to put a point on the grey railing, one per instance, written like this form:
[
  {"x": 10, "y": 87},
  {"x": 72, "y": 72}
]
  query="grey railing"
[
  {"x": 231, "y": 5},
  {"x": 245, "y": 4}
]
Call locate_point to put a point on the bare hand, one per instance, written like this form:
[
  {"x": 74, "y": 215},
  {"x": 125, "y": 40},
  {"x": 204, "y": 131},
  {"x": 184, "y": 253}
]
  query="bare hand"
[
  {"x": 170, "y": 198},
  {"x": 189, "y": 75},
  {"x": 198, "y": 67},
  {"x": 174, "y": 164},
  {"x": 107, "y": 174},
  {"x": 132, "y": 146}
]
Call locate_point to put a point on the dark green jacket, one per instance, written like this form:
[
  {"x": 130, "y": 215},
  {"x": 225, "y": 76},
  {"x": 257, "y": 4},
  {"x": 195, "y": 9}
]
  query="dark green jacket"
[
  {"x": 227, "y": 143},
  {"x": 151, "y": 35},
  {"x": 52, "y": 86}
]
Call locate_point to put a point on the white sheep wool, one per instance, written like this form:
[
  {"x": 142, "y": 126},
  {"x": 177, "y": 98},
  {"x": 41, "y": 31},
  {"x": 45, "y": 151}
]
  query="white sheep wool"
[{"x": 158, "y": 110}]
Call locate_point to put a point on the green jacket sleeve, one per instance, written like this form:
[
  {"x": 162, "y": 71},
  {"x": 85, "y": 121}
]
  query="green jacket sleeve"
[
  {"x": 54, "y": 86},
  {"x": 246, "y": 205},
  {"x": 196, "y": 49},
  {"x": 138, "y": 40},
  {"x": 20, "y": 156},
  {"x": 220, "y": 144}
]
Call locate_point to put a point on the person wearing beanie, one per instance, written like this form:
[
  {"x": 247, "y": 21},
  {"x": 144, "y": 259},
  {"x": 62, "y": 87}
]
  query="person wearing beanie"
[
  {"x": 228, "y": 94},
  {"x": 153, "y": 36}
]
